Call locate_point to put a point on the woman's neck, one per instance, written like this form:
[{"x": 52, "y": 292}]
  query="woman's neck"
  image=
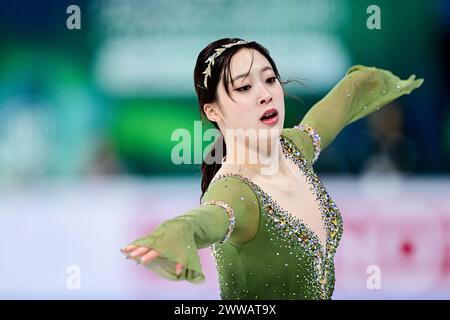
[{"x": 264, "y": 157}]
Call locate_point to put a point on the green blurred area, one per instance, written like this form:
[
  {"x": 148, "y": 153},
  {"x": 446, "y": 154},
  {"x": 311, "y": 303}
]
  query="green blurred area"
[
  {"x": 52, "y": 73},
  {"x": 142, "y": 130}
]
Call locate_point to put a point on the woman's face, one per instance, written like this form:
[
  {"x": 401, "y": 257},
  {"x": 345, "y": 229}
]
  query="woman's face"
[{"x": 253, "y": 95}]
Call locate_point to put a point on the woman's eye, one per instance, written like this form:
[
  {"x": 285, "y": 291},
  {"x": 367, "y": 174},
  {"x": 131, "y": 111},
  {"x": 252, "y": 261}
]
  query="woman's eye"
[
  {"x": 245, "y": 88},
  {"x": 242, "y": 88}
]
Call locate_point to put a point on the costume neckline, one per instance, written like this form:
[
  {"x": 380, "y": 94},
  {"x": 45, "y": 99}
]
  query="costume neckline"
[{"x": 313, "y": 240}]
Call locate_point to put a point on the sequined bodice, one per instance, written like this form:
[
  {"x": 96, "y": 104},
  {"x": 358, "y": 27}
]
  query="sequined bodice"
[{"x": 283, "y": 240}]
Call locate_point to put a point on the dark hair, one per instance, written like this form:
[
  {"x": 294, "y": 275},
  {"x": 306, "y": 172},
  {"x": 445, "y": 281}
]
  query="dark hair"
[{"x": 209, "y": 95}]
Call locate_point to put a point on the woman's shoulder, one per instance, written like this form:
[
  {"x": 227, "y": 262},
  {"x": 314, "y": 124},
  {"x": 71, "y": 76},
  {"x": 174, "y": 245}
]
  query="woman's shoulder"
[
  {"x": 302, "y": 141},
  {"x": 230, "y": 186},
  {"x": 230, "y": 189},
  {"x": 235, "y": 174}
]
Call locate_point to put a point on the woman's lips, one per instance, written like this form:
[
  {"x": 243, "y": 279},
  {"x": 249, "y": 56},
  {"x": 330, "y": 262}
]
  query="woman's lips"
[
  {"x": 271, "y": 121},
  {"x": 270, "y": 111}
]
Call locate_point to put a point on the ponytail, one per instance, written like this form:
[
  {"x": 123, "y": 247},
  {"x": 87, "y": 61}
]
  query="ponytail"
[{"x": 210, "y": 165}]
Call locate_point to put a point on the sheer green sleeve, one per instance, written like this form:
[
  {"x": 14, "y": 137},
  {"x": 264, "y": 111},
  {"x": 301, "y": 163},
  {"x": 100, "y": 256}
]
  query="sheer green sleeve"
[
  {"x": 362, "y": 91},
  {"x": 229, "y": 212}
]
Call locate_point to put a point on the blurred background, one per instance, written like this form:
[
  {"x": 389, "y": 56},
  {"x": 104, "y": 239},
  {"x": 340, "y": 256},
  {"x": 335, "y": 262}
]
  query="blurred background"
[{"x": 87, "y": 114}]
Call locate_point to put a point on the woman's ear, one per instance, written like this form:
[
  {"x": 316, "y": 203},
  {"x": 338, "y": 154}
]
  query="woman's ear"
[{"x": 212, "y": 112}]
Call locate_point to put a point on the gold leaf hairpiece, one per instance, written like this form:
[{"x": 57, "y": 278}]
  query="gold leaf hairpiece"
[{"x": 218, "y": 52}]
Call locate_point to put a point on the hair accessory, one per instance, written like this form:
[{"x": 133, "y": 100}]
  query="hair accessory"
[{"x": 210, "y": 60}]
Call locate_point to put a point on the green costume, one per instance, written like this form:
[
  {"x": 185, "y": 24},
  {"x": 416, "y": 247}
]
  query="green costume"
[{"x": 271, "y": 254}]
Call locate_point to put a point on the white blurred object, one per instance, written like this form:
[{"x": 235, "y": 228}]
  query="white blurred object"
[{"x": 58, "y": 237}]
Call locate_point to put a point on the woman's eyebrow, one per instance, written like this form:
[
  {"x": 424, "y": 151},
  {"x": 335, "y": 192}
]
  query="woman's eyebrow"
[{"x": 244, "y": 74}]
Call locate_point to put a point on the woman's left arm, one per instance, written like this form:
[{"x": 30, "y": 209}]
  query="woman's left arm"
[{"x": 362, "y": 91}]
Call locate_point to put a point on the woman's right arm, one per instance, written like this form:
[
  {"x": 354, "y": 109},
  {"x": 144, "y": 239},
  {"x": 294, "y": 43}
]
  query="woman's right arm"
[{"x": 171, "y": 249}]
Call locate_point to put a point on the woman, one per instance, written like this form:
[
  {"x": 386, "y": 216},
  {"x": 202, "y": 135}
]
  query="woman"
[{"x": 272, "y": 226}]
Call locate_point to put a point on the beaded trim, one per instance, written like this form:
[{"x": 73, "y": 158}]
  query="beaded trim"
[
  {"x": 229, "y": 211},
  {"x": 314, "y": 136}
]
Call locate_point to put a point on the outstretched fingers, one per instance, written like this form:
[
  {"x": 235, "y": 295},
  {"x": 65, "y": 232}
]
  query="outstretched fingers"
[
  {"x": 149, "y": 256},
  {"x": 139, "y": 252},
  {"x": 144, "y": 255},
  {"x": 178, "y": 269},
  {"x": 153, "y": 254},
  {"x": 129, "y": 248}
]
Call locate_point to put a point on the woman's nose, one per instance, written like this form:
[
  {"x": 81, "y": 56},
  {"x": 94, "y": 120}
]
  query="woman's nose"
[{"x": 265, "y": 99}]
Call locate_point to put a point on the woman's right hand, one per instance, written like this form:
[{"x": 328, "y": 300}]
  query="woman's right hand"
[{"x": 144, "y": 255}]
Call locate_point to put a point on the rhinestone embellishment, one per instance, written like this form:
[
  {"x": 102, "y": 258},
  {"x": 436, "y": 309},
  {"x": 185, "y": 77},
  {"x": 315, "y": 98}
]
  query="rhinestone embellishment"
[
  {"x": 314, "y": 136},
  {"x": 229, "y": 211},
  {"x": 292, "y": 229}
]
